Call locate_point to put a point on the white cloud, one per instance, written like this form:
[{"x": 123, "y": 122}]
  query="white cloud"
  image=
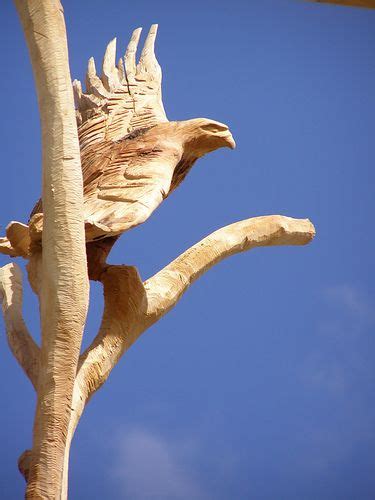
[{"x": 149, "y": 467}]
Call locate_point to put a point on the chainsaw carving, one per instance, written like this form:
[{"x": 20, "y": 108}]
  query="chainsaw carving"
[{"x": 132, "y": 157}]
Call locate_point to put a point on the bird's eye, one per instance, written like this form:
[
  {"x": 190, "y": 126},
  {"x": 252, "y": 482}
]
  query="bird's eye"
[{"x": 214, "y": 128}]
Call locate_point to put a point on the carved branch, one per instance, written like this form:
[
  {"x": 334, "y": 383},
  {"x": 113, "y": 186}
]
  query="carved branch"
[
  {"x": 18, "y": 235},
  {"x": 124, "y": 319},
  {"x": 167, "y": 286},
  {"x": 17, "y": 240},
  {"x": 22, "y": 345},
  {"x": 131, "y": 306},
  {"x": 6, "y": 248},
  {"x": 64, "y": 282}
]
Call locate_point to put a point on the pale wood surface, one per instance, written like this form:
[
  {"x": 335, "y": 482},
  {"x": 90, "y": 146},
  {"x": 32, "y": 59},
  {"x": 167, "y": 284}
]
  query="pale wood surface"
[
  {"x": 132, "y": 306},
  {"x": 22, "y": 345},
  {"x": 64, "y": 282},
  {"x": 132, "y": 156},
  {"x": 6, "y": 248}
]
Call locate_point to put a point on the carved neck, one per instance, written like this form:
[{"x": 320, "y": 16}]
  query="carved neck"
[{"x": 182, "y": 169}]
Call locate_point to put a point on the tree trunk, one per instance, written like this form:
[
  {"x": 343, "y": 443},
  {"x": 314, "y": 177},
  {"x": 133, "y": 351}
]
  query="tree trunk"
[{"x": 63, "y": 282}]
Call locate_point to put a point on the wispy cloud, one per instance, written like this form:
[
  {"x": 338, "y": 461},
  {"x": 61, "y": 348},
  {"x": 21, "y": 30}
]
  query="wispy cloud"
[
  {"x": 347, "y": 318},
  {"x": 339, "y": 372},
  {"x": 352, "y": 298},
  {"x": 350, "y": 310},
  {"x": 149, "y": 466},
  {"x": 324, "y": 446},
  {"x": 325, "y": 373}
]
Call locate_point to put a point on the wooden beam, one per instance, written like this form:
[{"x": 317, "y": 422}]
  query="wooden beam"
[{"x": 369, "y": 4}]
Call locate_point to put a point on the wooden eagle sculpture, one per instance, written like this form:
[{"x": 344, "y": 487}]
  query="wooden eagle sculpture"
[{"x": 132, "y": 157}]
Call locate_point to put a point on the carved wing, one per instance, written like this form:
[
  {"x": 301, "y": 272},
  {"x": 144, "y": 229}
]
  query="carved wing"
[
  {"x": 125, "y": 187},
  {"x": 124, "y": 98},
  {"x": 121, "y": 188}
]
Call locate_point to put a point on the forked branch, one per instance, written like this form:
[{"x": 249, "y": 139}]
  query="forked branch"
[
  {"x": 132, "y": 306},
  {"x": 21, "y": 343}
]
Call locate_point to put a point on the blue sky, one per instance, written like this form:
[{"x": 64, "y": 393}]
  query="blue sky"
[{"x": 259, "y": 384}]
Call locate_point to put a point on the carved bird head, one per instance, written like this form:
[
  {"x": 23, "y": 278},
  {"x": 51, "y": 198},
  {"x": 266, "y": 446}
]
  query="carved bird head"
[{"x": 201, "y": 136}]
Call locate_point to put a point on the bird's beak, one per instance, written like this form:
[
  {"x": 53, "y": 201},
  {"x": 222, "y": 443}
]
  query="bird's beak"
[{"x": 229, "y": 141}]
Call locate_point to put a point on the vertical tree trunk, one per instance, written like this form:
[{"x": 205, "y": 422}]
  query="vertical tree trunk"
[{"x": 63, "y": 283}]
